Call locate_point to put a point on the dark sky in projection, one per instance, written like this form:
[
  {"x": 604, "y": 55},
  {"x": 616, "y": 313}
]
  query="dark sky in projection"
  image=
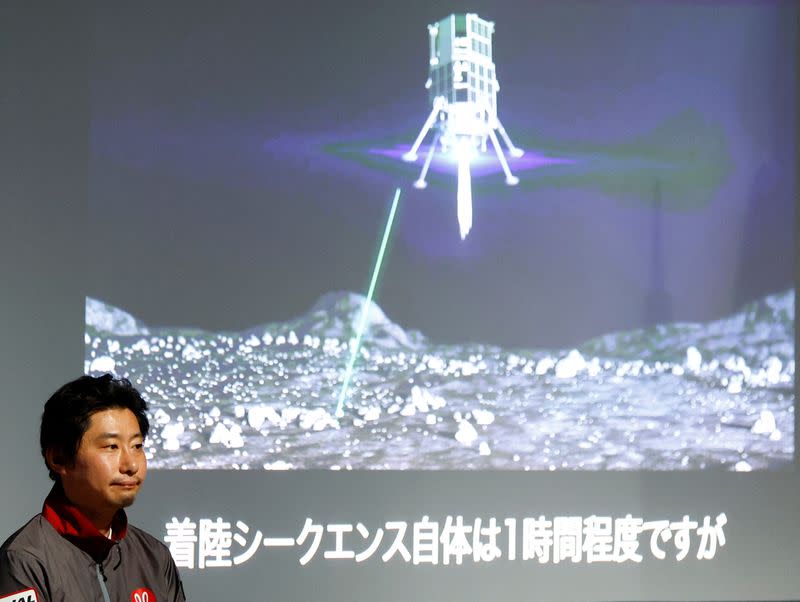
[{"x": 233, "y": 178}]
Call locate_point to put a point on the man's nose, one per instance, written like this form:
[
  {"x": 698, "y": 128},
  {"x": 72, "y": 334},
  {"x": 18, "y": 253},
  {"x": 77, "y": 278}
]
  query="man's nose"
[{"x": 128, "y": 463}]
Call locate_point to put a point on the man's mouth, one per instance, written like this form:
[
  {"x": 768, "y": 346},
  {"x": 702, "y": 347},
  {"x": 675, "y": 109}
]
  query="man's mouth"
[{"x": 127, "y": 484}]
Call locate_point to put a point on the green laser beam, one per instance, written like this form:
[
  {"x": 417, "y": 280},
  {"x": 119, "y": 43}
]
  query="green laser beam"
[{"x": 362, "y": 322}]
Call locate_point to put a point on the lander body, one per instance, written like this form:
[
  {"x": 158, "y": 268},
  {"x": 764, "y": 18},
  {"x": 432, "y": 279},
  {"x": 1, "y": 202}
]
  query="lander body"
[{"x": 462, "y": 89}]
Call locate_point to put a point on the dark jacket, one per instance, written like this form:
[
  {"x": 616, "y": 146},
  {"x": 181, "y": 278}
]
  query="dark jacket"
[{"x": 59, "y": 556}]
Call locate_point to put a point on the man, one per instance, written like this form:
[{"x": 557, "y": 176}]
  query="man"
[{"x": 81, "y": 547}]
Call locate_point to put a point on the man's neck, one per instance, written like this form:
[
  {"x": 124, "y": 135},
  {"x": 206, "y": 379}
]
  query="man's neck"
[{"x": 100, "y": 518}]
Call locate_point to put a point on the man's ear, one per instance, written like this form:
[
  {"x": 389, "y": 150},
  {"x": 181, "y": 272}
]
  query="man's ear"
[{"x": 56, "y": 461}]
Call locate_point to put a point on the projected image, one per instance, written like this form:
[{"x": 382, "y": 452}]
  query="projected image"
[{"x": 551, "y": 254}]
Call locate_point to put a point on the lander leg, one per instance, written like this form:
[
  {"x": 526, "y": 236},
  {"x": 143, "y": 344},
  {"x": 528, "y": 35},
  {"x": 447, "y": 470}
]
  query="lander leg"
[
  {"x": 511, "y": 179},
  {"x": 411, "y": 155},
  {"x": 420, "y": 182},
  {"x": 512, "y": 150}
]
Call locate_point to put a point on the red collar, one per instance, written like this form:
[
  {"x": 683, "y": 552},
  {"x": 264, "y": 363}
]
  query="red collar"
[{"x": 73, "y": 525}]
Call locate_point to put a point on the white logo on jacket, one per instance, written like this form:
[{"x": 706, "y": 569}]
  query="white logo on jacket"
[{"x": 28, "y": 595}]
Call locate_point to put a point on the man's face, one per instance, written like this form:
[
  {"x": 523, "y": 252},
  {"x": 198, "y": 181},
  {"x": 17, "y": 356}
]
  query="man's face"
[{"x": 110, "y": 465}]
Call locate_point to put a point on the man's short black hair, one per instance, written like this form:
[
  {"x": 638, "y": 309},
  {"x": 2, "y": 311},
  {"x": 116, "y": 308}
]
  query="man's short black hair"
[{"x": 66, "y": 414}]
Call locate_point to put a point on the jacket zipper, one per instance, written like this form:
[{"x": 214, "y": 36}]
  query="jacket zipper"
[{"x": 101, "y": 579}]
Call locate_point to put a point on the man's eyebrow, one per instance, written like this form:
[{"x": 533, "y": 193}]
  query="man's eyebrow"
[{"x": 117, "y": 436}]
